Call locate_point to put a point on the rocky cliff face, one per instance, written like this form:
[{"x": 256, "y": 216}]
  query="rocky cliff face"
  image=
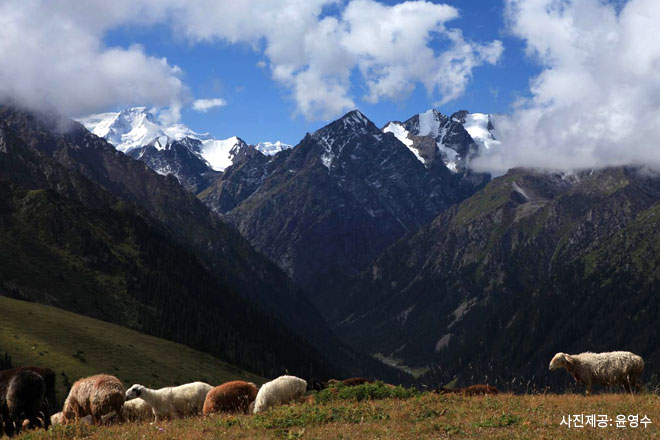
[
  {"x": 533, "y": 264},
  {"x": 324, "y": 209},
  {"x": 177, "y": 158}
]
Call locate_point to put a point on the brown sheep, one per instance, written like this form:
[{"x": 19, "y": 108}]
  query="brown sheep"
[
  {"x": 353, "y": 381},
  {"x": 96, "y": 396},
  {"x": 310, "y": 400},
  {"x": 479, "y": 389},
  {"x": 472, "y": 390},
  {"x": 234, "y": 396}
]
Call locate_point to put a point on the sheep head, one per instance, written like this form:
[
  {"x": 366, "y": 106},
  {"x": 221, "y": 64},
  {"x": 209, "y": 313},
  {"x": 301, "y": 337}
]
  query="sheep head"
[
  {"x": 562, "y": 360},
  {"x": 134, "y": 392}
]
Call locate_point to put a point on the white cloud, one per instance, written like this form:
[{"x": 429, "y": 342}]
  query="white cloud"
[
  {"x": 53, "y": 50},
  {"x": 204, "y": 105},
  {"x": 51, "y": 53},
  {"x": 315, "y": 55},
  {"x": 597, "y": 101}
]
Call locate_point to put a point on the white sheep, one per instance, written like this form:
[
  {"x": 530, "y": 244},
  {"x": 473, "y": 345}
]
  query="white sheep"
[
  {"x": 57, "y": 418},
  {"x": 279, "y": 391},
  {"x": 172, "y": 402},
  {"x": 607, "y": 369},
  {"x": 137, "y": 410}
]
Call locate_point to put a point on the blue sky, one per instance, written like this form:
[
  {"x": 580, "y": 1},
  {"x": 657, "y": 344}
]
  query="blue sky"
[
  {"x": 259, "y": 108},
  {"x": 573, "y": 84}
]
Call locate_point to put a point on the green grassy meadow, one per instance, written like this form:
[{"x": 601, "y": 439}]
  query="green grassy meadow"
[
  {"x": 75, "y": 346},
  {"x": 359, "y": 415}
]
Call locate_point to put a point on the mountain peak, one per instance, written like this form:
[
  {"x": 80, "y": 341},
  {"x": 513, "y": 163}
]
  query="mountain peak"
[
  {"x": 134, "y": 128},
  {"x": 460, "y": 116},
  {"x": 352, "y": 122},
  {"x": 355, "y": 117},
  {"x": 345, "y": 130}
]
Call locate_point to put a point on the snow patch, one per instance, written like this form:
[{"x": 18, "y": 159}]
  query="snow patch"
[
  {"x": 400, "y": 132},
  {"x": 403, "y": 316},
  {"x": 218, "y": 153},
  {"x": 271, "y": 149},
  {"x": 520, "y": 191},
  {"x": 442, "y": 342},
  {"x": 461, "y": 311},
  {"x": 429, "y": 123},
  {"x": 327, "y": 156},
  {"x": 476, "y": 124}
]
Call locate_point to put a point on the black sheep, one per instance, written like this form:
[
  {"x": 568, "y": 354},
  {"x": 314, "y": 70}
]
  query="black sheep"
[
  {"x": 50, "y": 403},
  {"x": 23, "y": 398}
]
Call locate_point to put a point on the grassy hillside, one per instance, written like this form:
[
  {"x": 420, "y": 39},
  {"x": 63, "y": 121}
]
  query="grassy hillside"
[
  {"x": 75, "y": 346},
  {"x": 505, "y": 416}
]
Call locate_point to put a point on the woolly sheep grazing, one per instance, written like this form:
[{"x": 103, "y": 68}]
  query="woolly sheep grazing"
[
  {"x": 279, "y": 391},
  {"x": 49, "y": 379},
  {"x": 355, "y": 381},
  {"x": 57, "y": 418},
  {"x": 23, "y": 399},
  {"x": 234, "y": 396},
  {"x": 172, "y": 402},
  {"x": 472, "y": 390},
  {"x": 137, "y": 410},
  {"x": 607, "y": 369},
  {"x": 95, "y": 396}
]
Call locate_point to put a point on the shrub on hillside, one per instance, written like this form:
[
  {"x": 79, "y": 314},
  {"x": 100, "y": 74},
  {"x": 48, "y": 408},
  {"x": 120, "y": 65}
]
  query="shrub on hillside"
[{"x": 367, "y": 391}]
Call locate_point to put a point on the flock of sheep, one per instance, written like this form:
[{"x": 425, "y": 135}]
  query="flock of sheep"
[{"x": 27, "y": 394}]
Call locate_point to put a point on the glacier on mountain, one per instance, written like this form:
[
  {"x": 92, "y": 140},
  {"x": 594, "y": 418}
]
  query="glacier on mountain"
[
  {"x": 450, "y": 144},
  {"x": 137, "y": 127}
]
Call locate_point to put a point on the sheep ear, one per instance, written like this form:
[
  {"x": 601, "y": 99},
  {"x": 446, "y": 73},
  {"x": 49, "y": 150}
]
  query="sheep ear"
[
  {"x": 569, "y": 360},
  {"x": 138, "y": 392}
]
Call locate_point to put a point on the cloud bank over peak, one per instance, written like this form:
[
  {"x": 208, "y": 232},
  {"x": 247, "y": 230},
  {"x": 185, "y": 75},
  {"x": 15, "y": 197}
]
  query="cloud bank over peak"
[
  {"x": 597, "y": 101},
  {"x": 53, "y": 52}
]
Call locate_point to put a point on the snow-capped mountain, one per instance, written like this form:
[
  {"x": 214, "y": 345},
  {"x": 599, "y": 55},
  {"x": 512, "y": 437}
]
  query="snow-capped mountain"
[
  {"x": 271, "y": 149},
  {"x": 136, "y": 128},
  {"x": 456, "y": 138},
  {"x": 324, "y": 209}
]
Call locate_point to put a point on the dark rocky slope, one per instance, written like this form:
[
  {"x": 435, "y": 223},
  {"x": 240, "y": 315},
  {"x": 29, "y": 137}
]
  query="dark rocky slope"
[
  {"x": 324, "y": 209},
  {"x": 94, "y": 231},
  {"x": 533, "y": 264}
]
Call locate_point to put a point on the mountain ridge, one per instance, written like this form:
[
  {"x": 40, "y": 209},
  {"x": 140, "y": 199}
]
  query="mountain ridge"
[
  {"x": 62, "y": 156},
  {"x": 534, "y": 263}
]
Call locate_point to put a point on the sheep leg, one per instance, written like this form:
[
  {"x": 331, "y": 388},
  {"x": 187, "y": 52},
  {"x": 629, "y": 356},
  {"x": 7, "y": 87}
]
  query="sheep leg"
[
  {"x": 34, "y": 421},
  {"x": 9, "y": 425},
  {"x": 45, "y": 411},
  {"x": 9, "y": 428}
]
